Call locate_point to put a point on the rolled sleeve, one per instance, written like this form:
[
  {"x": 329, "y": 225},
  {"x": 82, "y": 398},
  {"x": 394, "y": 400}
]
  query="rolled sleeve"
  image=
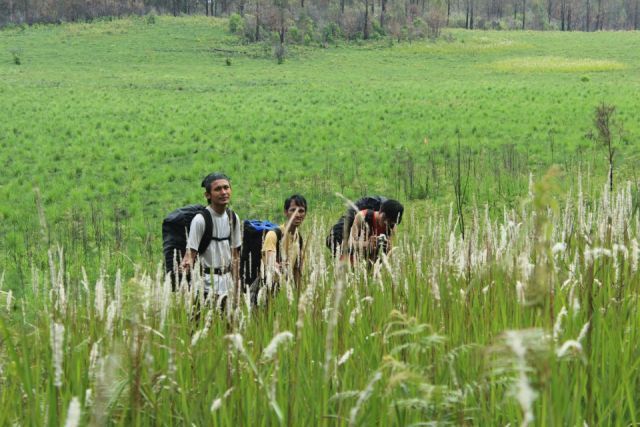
[
  {"x": 196, "y": 231},
  {"x": 270, "y": 242},
  {"x": 236, "y": 235}
]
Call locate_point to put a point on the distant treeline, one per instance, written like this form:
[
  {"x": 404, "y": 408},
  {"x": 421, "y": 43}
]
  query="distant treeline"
[{"x": 302, "y": 20}]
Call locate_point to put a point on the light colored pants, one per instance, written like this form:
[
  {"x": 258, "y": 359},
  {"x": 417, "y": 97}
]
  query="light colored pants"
[{"x": 221, "y": 284}]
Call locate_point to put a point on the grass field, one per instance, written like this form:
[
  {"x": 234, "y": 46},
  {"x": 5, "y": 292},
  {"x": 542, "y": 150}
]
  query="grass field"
[{"x": 532, "y": 319}]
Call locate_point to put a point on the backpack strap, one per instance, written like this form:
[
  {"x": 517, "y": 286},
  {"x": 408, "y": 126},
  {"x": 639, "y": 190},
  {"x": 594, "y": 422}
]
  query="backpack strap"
[
  {"x": 368, "y": 218},
  {"x": 301, "y": 244},
  {"x": 232, "y": 226},
  {"x": 232, "y": 219},
  {"x": 208, "y": 231}
]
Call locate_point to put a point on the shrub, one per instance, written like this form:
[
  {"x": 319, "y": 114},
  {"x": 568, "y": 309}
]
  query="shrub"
[
  {"x": 308, "y": 39},
  {"x": 236, "y": 24},
  {"x": 16, "y": 57},
  {"x": 294, "y": 34},
  {"x": 436, "y": 20},
  {"x": 419, "y": 28},
  {"x": 279, "y": 52},
  {"x": 330, "y": 32},
  {"x": 377, "y": 30},
  {"x": 249, "y": 29},
  {"x": 150, "y": 19}
]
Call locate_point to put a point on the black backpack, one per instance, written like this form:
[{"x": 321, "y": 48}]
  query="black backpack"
[
  {"x": 336, "y": 236},
  {"x": 175, "y": 230}
]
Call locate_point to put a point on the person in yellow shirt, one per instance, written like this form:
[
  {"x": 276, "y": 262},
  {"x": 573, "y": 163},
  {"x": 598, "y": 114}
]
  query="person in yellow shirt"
[{"x": 282, "y": 252}]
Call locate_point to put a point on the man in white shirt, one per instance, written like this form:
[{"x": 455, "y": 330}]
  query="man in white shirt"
[{"x": 220, "y": 261}]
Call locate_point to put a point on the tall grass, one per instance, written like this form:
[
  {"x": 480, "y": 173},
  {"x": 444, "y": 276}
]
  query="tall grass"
[{"x": 531, "y": 319}]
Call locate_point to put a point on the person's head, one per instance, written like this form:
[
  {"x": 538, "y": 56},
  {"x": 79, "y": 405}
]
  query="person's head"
[
  {"x": 217, "y": 190},
  {"x": 295, "y": 209},
  {"x": 391, "y": 214}
]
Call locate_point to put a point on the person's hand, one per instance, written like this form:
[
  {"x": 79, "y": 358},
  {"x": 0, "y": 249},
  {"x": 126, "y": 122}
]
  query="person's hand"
[
  {"x": 373, "y": 243},
  {"x": 185, "y": 265},
  {"x": 381, "y": 242}
]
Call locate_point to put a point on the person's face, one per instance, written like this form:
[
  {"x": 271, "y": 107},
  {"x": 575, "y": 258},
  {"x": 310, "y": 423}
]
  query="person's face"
[
  {"x": 219, "y": 193},
  {"x": 295, "y": 214},
  {"x": 387, "y": 222}
]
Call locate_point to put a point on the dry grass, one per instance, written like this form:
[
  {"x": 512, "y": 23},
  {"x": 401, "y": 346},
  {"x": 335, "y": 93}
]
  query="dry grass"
[{"x": 554, "y": 64}]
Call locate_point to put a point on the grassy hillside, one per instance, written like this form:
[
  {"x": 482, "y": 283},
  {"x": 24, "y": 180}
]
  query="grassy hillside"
[
  {"x": 118, "y": 121},
  {"x": 531, "y": 320}
]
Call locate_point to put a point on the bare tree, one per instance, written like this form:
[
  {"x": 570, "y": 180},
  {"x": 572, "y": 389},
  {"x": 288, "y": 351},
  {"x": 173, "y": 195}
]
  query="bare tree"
[
  {"x": 599, "y": 16},
  {"x": 365, "y": 30},
  {"x": 460, "y": 183},
  {"x": 257, "y": 20},
  {"x": 604, "y": 121}
]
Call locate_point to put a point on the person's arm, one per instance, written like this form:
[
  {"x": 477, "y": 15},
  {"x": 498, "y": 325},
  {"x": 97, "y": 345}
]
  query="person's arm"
[
  {"x": 188, "y": 260},
  {"x": 359, "y": 240},
  {"x": 235, "y": 265},
  {"x": 236, "y": 242},
  {"x": 300, "y": 264},
  {"x": 269, "y": 249},
  {"x": 196, "y": 230}
]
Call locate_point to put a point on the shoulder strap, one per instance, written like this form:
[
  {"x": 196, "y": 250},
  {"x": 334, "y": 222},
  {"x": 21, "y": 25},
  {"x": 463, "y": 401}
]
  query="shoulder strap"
[
  {"x": 232, "y": 222},
  {"x": 301, "y": 243},
  {"x": 232, "y": 218},
  {"x": 368, "y": 217},
  {"x": 208, "y": 231}
]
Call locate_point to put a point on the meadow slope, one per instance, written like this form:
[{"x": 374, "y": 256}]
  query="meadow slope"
[{"x": 531, "y": 319}]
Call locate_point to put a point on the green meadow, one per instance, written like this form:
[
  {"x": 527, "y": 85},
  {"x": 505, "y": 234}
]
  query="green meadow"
[{"x": 532, "y": 319}]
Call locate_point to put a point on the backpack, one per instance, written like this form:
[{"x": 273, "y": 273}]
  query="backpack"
[
  {"x": 175, "y": 230},
  {"x": 254, "y": 232},
  {"x": 336, "y": 236}
]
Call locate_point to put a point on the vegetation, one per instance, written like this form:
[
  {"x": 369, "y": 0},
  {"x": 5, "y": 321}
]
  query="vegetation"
[
  {"x": 366, "y": 19},
  {"x": 531, "y": 318}
]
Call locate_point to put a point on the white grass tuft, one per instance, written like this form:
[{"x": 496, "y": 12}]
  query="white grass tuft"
[{"x": 270, "y": 351}]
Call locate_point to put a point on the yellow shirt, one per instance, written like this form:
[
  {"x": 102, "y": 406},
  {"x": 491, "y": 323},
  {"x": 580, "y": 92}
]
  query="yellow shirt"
[{"x": 290, "y": 255}]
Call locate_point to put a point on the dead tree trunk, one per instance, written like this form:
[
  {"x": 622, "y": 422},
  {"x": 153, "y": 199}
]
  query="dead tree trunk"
[
  {"x": 599, "y": 17},
  {"x": 466, "y": 21},
  {"x": 365, "y": 32},
  {"x": 257, "y": 20}
]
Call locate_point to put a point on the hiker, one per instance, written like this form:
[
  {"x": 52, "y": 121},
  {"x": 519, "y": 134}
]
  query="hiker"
[
  {"x": 220, "y": 259},
  {"x": 371, "y": 232},
  {"x": 283, "y": 251}
]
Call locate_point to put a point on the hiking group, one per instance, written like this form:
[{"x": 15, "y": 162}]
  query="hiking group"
[{"x": 263, "y": 255}]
